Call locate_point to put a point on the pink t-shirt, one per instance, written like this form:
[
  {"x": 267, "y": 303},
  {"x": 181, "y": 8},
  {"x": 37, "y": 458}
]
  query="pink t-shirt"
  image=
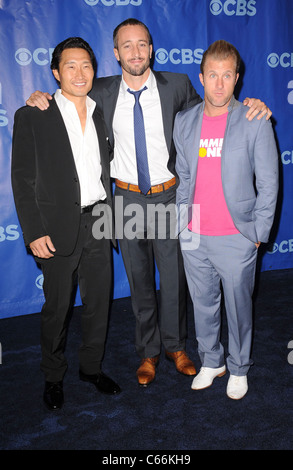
[{"x": 213, "y": 217}]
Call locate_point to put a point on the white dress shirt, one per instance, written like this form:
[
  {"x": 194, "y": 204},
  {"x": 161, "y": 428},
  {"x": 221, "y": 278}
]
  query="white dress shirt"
[
  {"x": 123, "y": 166},
  {"x": 85, "y": 149}
]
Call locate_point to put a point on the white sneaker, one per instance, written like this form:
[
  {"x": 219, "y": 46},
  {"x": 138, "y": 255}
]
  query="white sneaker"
[
  {"x": 206, "y": 376},
  {"x": 237, "y": 387}
]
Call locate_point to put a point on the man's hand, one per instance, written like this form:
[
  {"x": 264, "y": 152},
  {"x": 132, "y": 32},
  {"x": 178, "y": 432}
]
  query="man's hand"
[
  {"x": 256, "y": 108},
  {"x": 42, "y": 247},
  {"x": 39, "y": 99}
]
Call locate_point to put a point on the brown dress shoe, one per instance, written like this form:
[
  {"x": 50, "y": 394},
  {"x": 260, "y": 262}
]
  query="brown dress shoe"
[
  {"x": 147, "y": 371},
  {"x": 182, "y": 362}
]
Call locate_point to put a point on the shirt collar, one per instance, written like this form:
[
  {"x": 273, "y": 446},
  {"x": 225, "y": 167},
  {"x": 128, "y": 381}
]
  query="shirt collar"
[
  {"x": 233, "y": 104},
  {"x": 150, "y": 83},
  {"x": 65, "y": 104}
]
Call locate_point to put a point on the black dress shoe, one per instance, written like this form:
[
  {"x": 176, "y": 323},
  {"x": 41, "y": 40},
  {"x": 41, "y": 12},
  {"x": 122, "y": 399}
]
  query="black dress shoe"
[
  {"x": 53, "y": 395},
  {"x": 103, "y": 383}
]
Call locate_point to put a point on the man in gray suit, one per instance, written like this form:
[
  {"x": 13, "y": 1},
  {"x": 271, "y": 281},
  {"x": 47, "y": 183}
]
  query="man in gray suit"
[{"x": 221, "y": 159}]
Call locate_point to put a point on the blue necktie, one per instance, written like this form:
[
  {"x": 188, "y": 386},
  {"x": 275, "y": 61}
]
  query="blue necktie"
[{"x": 144, "y": 182}]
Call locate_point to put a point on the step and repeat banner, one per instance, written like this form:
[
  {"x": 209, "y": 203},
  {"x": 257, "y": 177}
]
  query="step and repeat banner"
[{"x": 262, "y": 31}]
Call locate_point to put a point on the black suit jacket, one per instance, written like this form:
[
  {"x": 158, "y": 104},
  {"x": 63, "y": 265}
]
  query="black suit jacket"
[
  {"x": 176, "y": 93},
  {"x": 44, "y": 177}
]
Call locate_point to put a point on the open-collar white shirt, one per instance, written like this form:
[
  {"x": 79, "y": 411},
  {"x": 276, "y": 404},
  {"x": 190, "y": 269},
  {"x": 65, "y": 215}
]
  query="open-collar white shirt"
[
  {"x": 123, "y": 166},
  {"x": 85, "y": 149}
]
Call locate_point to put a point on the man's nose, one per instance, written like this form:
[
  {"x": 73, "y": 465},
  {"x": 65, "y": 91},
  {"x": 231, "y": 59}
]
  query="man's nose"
[
  {"x": 136, "y": 51},
  {"x": 220, "y": 82},
  {"x": 79, "y": 72}
]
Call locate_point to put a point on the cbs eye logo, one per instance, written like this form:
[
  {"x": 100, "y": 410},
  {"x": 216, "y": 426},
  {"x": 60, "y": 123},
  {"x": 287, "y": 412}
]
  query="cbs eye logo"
[
  {"x": 39, "y": 281},
  {"x": 23, "y": 56}
]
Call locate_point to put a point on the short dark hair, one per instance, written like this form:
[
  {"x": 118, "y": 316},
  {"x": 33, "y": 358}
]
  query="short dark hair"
[
  {"x": 221, "y": 50},
  {"x": 130, "y": 22},
  {"x": 72, "y": 43}
]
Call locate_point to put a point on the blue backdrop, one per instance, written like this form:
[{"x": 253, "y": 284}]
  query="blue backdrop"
[{"x": 262, "y": 30}]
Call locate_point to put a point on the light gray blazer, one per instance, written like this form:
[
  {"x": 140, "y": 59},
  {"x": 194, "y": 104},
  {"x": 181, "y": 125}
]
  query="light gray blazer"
[{"x": 249, "y": 166}]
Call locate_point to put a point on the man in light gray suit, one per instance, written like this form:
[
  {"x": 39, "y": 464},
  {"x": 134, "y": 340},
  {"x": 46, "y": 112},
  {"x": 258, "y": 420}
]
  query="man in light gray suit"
[{"x": 228, "y": 185}]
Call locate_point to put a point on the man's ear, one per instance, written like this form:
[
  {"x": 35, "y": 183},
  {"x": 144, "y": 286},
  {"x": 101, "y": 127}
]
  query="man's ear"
[
  {"x": 201, "y": 79},
  {"x": 56, "y": 74},
  {"x": 116, "y": 53},
  {"x": 151, "y": 50}
]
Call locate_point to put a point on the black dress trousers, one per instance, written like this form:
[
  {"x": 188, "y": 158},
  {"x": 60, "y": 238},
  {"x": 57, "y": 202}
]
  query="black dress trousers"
[{"x": 91, "y": 266}]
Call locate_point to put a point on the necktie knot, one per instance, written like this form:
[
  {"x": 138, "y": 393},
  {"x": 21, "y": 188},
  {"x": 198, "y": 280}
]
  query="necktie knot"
[{"x": 136, "y": 93}]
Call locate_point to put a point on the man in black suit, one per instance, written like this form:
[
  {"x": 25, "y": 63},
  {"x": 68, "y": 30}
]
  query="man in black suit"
[
  {"x": 60, "y": 174},
  {"x": 166, "y": 94}
]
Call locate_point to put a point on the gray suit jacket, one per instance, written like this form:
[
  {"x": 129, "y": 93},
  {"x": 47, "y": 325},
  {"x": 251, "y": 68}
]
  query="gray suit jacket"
[{"x": 249, "y": 166}]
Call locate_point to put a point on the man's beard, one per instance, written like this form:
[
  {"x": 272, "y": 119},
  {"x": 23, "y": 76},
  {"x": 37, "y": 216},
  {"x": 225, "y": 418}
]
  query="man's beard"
[{"x": 135, "y": 71}]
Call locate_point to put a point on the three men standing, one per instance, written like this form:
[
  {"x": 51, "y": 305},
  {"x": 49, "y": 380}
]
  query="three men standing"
[{"x": 162, "y": 96}]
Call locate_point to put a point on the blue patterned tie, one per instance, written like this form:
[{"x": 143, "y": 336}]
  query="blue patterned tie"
[{"x": 144, "y": 181}]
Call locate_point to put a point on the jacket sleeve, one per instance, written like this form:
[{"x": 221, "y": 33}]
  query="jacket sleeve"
[
  {"x": 23, "y": 177},
  {"x": 183, "y": 172},
  {"x": 266, "y": 179}
]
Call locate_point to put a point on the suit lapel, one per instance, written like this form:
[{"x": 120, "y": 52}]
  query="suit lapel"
[
  {"x": 102, "y": 140},
  {"x": 167, "y": 106},
  {"x": 192, "y": 133},
  {"x": 110, "y": 96},
  {"x": 58, "y": 129},
  {"x": 192, "y": 147}
]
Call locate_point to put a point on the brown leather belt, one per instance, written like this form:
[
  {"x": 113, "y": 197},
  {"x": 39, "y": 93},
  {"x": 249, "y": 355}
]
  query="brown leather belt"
[{"x": 158, "y": 188}]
